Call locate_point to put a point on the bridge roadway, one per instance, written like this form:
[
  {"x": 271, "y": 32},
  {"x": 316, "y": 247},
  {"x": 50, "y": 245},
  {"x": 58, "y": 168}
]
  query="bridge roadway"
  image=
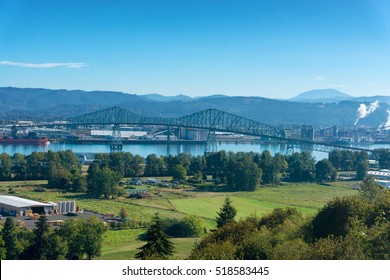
[{"x": 210, "y": 119}]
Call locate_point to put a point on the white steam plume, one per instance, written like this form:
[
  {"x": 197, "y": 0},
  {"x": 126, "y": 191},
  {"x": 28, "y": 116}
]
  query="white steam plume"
[
  {"x": 363, "y": 111},
  {"x": 387, "y": 124}
]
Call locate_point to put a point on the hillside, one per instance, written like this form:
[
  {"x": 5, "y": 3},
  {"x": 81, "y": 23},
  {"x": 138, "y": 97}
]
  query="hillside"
[{"x": 47, "y": 105}]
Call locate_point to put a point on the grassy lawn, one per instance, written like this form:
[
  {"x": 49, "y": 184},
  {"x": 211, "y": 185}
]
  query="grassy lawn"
[
  {"x": 177, "y": 203},
  {"x": 124, "y": 244},
  {"x": 307, "y": 198}
]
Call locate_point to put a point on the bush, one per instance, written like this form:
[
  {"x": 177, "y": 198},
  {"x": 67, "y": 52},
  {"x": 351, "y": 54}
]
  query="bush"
[{"x": 189, "y": 226}]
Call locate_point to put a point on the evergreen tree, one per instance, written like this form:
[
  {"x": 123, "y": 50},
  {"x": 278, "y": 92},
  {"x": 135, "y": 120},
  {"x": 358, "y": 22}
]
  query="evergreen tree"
[
  {"x": 226, "y": 214},
  {"x": 157, "y": 244},
  {"x": 3, "y": 250},
  {"x": 40, "y": 246},
  {"x": 12, "y": 245}
]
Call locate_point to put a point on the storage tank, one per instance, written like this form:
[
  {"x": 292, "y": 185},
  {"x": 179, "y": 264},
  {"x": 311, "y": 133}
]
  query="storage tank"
[
  {"x": 67, "y": 206},
  {"x": 73, "y": 206},
  {"x": 60, "y": 207}
]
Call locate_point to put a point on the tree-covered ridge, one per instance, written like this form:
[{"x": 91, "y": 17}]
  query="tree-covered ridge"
[{"x": 46, "y": 105}]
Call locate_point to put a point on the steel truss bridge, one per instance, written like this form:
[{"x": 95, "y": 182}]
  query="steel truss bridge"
[{"x": 210, "y": 119}]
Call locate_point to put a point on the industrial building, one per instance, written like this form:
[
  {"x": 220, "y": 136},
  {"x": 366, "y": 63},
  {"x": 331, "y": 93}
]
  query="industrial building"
[{"x": 14, "y": 205}]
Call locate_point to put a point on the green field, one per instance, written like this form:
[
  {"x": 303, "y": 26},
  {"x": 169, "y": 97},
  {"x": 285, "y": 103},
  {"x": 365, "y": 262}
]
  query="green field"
[
  {"x": 176, "y": 203},
  {"x": 124, "y": 244}
]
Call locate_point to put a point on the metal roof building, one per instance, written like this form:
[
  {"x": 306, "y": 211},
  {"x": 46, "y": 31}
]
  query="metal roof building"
[{"x": 16, "y": 205}]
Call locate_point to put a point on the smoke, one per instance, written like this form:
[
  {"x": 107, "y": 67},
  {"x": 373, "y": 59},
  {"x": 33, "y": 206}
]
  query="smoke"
[
  {"x": 363, "y": 111},
  {"x": 387, "y": 124}
]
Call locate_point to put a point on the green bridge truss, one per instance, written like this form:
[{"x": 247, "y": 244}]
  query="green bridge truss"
[{"x": 210, "y": 119}]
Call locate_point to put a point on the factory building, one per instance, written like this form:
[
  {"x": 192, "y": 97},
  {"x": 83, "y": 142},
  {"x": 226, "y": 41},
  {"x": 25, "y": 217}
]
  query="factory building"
[{"x": 14, "y": 205}]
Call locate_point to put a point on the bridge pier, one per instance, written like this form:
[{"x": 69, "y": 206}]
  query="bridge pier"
[
  {"x": 116, "y": 142},
  {"x": 211, "y": 146}
]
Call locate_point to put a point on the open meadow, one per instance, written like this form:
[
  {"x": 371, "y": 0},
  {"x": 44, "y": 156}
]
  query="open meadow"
[{"x": 177, "y": 203}]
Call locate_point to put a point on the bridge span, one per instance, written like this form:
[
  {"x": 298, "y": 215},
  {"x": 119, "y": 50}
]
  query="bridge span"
[{"x": 209, "y": 119}]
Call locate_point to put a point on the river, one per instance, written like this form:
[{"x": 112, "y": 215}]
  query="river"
[{"x": 161, "y": 149}]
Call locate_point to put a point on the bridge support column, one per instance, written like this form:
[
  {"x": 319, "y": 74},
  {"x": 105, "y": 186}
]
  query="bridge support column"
[
  {"x": 290, "y": 148},
  {"x": 116, "y": 142},
  {"x": 211, "y": 146}
]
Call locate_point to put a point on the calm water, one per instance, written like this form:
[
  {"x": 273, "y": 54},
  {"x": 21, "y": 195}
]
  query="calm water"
[{"x": 158, "y": 149}]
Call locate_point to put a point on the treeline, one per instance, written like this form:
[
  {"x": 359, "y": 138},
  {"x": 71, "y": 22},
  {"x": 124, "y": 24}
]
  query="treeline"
[
  {"x": 356, "y": 227},
  {"x": 61, "y": 169},
  {"x": 74, "y": 239},
  {"x": 235, "y": 171}
]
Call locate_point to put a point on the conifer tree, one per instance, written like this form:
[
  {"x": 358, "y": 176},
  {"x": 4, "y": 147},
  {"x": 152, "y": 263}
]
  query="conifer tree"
[
  {"x": 40, "y": 244},
  {"x": 158, "y": 246},
  {"x": 12, "y": 245},
  {"x": 226, "y": 214},
  {"x": 3, "y": 251}
]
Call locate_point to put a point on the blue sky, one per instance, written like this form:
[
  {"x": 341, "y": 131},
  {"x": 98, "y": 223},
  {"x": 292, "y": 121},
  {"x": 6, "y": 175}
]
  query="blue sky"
[{"x": 268, "y": 48}]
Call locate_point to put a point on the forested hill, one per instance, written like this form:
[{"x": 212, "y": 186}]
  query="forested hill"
[{"x": 45, "y": 104}]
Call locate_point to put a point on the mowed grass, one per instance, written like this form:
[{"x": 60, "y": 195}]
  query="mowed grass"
[
  {"x": 124, "y": 244},
  {"x": 307, "y": 198}
]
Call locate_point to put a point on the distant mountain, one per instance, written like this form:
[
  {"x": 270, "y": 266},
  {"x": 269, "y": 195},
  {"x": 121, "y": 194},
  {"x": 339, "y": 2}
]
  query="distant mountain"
[
  {"x": 322, "y": 95},
  {"x": 163, "y": 98},
  {"x": 48, "y": 105}
]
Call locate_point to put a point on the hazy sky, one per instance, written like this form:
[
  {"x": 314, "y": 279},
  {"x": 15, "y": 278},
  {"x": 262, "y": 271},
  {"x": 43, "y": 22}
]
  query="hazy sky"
[{"x": 269, "y": 48}]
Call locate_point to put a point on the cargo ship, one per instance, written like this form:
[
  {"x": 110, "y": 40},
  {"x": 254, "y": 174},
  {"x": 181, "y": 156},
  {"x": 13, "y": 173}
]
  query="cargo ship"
[
  {"x": 30, "y": 139},
  {"x": 25, "y": 141}
]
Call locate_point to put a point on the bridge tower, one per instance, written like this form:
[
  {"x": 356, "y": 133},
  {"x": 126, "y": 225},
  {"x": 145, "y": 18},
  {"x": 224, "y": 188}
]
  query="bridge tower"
[
  {"x": 211, "y": 146},
  {"x": 290, "y": 148},
  {"x": 116, "y": 142}
]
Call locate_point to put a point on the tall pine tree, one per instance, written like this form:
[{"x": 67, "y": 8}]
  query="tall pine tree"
[
  {"x": 226, "y": 214},
  {"x": 157, "y": 244},
  {"x": 12, "y": 245}
]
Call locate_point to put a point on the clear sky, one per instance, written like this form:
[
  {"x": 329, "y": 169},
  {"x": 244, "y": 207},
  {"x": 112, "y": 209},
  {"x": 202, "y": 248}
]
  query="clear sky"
[{"x": 268, "y": 48}]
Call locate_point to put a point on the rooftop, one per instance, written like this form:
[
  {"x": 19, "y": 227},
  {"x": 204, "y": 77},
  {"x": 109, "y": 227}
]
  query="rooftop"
[{"x": 20, "y": 202}]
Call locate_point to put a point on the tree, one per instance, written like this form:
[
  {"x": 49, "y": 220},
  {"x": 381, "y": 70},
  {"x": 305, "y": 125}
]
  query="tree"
[
  {"x": 12, "y": 245},
  {"x": 371, "y": 191},
  {"x": 192, "y": 226},
  {"x": 198, "y": 164},
  {"x": 91, "y": 232},
  {"x": 335, "y": 217},
  {"x": 361, "y": 170},
  {"x": 242, "y": 173},
  {"x": 324, "y": 171},
  {"x": 47, "y": 245},
  {"x": 123, "y": 213},
  {"x": 19, "y": 166},
  {"x": 268, "y": 168},
  {"x": 226, "y": 214},
  {"x": 301, "y": 167},
  {"x": 216, "y": 165},
  {"x": 5, "y": 166},
  {"x": 103, "y": 181},
  {"x": 189, "y": 226},
  {"x": 383, "y": 156},
  {"x": 3, "y": 250},
  {"x": 70, "y": 232},
  {"x": 157, "y": 244},
  {"x": 179, "y": 173},
  {"x": 154, "y": 166}
]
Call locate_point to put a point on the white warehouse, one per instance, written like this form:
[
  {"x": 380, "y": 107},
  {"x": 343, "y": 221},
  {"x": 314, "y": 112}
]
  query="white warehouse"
[{"x": 14, "y": 205}]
